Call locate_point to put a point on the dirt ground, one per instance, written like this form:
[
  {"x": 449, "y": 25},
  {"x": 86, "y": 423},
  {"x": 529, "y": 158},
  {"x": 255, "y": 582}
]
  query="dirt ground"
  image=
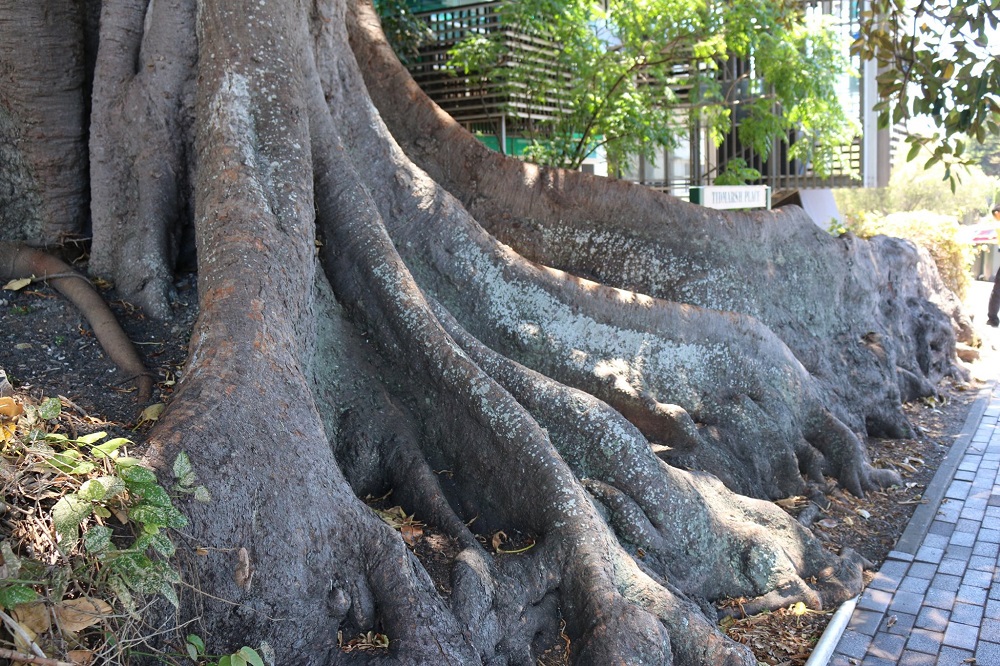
[{"x": 47, "y": 350}]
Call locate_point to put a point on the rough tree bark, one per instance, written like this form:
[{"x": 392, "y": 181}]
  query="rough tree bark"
[{"x": 362, "y": 324}]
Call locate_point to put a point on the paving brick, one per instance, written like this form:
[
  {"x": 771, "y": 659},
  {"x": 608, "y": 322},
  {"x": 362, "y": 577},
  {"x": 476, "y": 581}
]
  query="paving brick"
[
  {"x": 907, "y": 602},
  {"x": 911, "y": 658},
  {"x": 950, "y": 656},
  {"x": 976, "y": 578},
  {"x": 973, "y": 513},
  {"x": 959, "y": 552},
  {"x": 876, "y": 600},
  {"x": 971, "y": 595},
  {"x": 948, "y": 512},
  {"x": 978, "y": 498},
  {"x": 889, "y": 576},
  {"x": 989, "y": 536},
  {"x": 990, "y": 630},
  {"x": 865, "y": 621},
  {"x": 890, "y": 646},
  {"x": 960, "y": 489},
  {"x": 898, "y": 623},
  {"x": 941, "y": 527},
  {"x": 924, "y": 640},
  {"x": 986, "y": 549},
  {"x": 914, "y": 584},
  {"x": 964, "y": 525},
  {"x": 842, "y": 660},
  {"x": 987, "y": 652},
  {"x": 965, "y": 475},
  {"x": 946, "y": 582},
  {"x": 929, "y": 554},
  {"x": 952, "y": 566},
  {"x": 938, "y": 598},
  {"x": 900, "y": 555},
  {"x": 963, "y": 539},
  {"x": 967, "y": 613},
  {"x": 970, "y": 463},
  {"x": 993, "y": 608},
  {"x": 980, "y": 563},
  {"x": 935, "y": 619},
  {"x": 937, "y": 541},
  {"x": 960, "y": 635},
  {"x": 855, "y": 645},
  {"x": 927, "y": 570},
  {"x": 872, "y": 660}
]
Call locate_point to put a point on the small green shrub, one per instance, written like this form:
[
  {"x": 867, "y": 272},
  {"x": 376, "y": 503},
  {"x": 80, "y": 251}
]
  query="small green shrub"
[
  {"x": 936, "y": 232},
  {"x": 88, "y": 532}
]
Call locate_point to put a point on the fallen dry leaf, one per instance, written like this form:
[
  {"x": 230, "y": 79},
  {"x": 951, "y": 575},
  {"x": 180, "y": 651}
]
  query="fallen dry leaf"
[
  {"x": 33, "y": 617},
  {"x": 81, "y": 657},
  {"x": 18, "y": 284},
  {"x": 10, "y": 408},
  {"x": 410, "y": 533},
  {"x": 498, "y": 539},
  {"x": 152, "y": 413},
  {"x": 75, "y": 615}
]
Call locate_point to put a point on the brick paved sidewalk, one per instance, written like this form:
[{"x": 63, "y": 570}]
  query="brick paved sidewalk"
[{"x": 936, "y": 599}]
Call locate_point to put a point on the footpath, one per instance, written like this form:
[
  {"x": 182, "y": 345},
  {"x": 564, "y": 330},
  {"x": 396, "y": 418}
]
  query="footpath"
[{"x": 936, "y": 599}]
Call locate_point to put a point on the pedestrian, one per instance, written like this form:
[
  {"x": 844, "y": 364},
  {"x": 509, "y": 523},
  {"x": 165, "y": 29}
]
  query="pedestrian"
[{"x": 991, "y": 312}]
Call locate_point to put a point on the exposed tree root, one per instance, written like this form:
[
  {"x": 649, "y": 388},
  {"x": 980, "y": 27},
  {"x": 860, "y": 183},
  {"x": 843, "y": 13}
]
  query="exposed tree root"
[
  {"x": 359, "y": 332},
  {"x": 631, "y": 238},
  {"x": 141, "y": 144},
  {"x": 20, "y": 261}
]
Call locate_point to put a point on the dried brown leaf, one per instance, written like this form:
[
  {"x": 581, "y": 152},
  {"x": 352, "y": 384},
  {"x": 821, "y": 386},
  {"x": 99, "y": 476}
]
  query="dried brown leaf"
[{"x": 75, "y": 615}]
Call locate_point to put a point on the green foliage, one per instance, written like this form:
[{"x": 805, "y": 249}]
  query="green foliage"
[
  {"x": 615, "y": 74},
  {"x": 936, "y": 62},
  {"x": 937, "y": 233},
  {"x": 912, "y": 187},
  {"x": 109, "y": 514},
  {"x": 987, "y": 155},
  {"x": 404, "y": 31},
  {"x": 737, "y": 173},
  {"x": 194, "y": 647}
]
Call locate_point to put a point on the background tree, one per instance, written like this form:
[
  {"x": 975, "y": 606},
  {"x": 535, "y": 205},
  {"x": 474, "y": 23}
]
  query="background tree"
[
  {"x": 636, "y": 76},
  {"x": 938, "y": 61},
  {"x": 382, "y": 298}
]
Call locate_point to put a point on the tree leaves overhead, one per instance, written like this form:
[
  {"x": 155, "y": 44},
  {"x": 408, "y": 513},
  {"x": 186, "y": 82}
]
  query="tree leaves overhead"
[
  {"x": 644, "y": 72},
  {"x": 936, "y": 62}
]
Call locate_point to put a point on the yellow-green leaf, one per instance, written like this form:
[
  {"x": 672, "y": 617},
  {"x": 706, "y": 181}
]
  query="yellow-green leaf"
[{"x": 18, "y": 284}]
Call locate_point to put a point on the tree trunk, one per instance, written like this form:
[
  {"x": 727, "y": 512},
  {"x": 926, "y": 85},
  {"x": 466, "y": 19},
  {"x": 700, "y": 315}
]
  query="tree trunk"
[{"x": 363, "y": 327}]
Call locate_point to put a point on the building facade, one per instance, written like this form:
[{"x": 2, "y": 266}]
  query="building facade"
[{"x": 502, "y": 115}]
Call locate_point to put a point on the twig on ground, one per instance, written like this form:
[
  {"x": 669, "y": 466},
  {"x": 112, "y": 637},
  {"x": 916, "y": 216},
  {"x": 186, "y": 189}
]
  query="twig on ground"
[
  {"x": 29, "y": 659},
  {"x": 16, "y": 627}
]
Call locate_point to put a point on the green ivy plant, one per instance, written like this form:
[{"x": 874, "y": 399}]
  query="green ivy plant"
[
  {"x": 102, "y": 484},
  {"x": 194, "y": 646}
]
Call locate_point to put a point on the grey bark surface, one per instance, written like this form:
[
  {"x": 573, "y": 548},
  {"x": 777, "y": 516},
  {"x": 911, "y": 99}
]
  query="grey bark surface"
[
  {"x": 360, "y": 331},
  {"x": 43, "y": 151},
  {"x": 827, "y": 298}
]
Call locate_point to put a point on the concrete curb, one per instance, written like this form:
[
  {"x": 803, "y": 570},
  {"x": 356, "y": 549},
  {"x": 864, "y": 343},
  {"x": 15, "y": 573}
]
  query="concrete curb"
[{"x": 916, "y": 529}]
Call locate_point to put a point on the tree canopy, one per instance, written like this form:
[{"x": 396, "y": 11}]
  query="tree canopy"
[
  {"x": 634, "y": 76},
  {"x": 939, "y": 61}
]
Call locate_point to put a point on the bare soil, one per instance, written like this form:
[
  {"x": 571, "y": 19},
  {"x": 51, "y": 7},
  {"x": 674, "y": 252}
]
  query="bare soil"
[{"x": 47, "y": 350}]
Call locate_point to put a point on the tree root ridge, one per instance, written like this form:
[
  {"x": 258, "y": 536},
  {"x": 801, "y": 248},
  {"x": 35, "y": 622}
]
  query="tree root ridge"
[
  {"x": 20, "y": 261},
  {"x": 664, "y": 248},
  {"x": 361, "y": 332},
  {"x": 642, "y": 496}
]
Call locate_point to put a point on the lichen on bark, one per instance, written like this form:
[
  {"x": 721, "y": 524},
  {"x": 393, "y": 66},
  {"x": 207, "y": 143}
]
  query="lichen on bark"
[{"x": 378, "y": 305}]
